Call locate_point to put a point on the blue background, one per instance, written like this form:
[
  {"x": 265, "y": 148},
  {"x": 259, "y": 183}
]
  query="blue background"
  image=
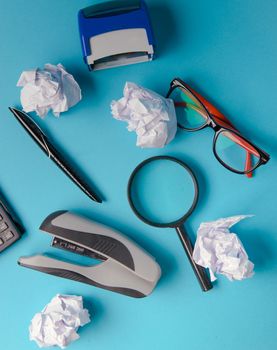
[{"x": 227, "y": 50}]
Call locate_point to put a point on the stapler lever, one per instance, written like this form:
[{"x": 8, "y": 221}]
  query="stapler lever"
[{"x": 124, "y": 268}]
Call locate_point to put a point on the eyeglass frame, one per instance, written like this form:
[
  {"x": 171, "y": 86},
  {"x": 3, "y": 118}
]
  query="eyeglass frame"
[{"x": 218, "y": 129}]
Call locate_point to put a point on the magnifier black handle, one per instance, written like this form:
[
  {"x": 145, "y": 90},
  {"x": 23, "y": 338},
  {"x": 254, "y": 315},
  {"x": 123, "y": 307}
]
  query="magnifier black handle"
[{"x": 199, "y": 271}]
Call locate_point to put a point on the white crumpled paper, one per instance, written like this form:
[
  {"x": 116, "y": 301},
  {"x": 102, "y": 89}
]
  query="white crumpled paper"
[
  {"x": 49, "y": 88},
  {"x": 221, "y": 251},
  {"x": 150, "y": 115},
  {"x": 58, "y": 322}
]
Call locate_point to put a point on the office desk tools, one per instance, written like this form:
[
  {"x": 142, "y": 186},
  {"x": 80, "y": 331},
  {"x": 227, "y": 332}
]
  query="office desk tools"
[
  {"x": 150, "y": 115},
  {"x": 48, "y": 148},
  {"x": 51, "y": 88},
  {"x": 10, "y": 229},
  {"x": 231, "y": 149},
  {"x": 125, "y": 268},
  {"x": 116, "y": 33},
  {"x": 163, "y": 192}
]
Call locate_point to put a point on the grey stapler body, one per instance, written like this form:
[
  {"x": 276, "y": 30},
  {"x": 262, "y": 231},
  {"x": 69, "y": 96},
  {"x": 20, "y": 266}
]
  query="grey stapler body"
[{"x": 125, "y": 267}]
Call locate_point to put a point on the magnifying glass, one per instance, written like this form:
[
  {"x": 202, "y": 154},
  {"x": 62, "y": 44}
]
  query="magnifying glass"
[{"x": 163, "y": 192}]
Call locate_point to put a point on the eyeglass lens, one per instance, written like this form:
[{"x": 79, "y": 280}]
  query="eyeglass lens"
[
  {"x": 190, "y": 113},
  {"x": 235, "y": 152}
]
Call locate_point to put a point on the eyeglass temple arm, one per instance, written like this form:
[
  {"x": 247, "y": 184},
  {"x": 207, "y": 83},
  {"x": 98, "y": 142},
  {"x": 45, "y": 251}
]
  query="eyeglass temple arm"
[
  {"x": 248, "y": 164},
  {"x": 234, "y": 137}
]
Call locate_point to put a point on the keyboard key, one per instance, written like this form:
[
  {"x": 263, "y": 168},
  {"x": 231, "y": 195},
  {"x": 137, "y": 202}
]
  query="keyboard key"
[
  {"x": 3, "y": 226},
  {"x": 7, "y": 235}
]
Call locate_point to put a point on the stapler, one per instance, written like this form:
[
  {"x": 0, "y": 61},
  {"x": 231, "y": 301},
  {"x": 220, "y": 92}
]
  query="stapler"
[
  {"x": 124, "y": 268},
  {"x": 116, "y": 33}
]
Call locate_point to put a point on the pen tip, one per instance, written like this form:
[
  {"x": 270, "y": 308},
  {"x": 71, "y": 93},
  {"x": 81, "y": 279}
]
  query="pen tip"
[{"x": 13, "y": 110}]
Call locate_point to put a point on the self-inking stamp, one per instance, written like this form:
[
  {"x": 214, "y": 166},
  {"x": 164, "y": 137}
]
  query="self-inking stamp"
[{"x": 116, "y": 33}]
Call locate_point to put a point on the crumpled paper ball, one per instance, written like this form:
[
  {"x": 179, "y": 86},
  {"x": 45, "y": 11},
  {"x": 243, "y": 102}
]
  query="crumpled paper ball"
[
  {"x": 49, "y": 88},
  {"x": 221, "y": 251},
  {"x": 58, "y": 322},
  {"x": 147, "y": 113}
]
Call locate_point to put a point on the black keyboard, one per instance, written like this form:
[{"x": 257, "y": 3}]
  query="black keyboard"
[{"x": 10, "y": 231}]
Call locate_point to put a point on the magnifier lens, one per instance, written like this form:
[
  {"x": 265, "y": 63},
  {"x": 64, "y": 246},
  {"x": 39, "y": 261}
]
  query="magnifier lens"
[{"x": 162, "y": 191}]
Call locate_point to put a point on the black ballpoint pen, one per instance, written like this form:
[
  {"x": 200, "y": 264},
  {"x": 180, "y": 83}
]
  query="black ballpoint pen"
[{"x": 47, "y": 147}]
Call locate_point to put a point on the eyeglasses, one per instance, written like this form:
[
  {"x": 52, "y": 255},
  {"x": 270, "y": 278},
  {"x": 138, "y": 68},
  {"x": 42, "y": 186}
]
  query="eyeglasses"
[{"x": 231, "y": 149}]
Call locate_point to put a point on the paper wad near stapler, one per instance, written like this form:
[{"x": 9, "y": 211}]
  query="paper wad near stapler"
[
  {"x": 125, "y": 268},
  {"x": 116, "y": 33}
]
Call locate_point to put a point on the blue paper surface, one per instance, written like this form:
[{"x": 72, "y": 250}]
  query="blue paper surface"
[{"x": 227, "y": 51}]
